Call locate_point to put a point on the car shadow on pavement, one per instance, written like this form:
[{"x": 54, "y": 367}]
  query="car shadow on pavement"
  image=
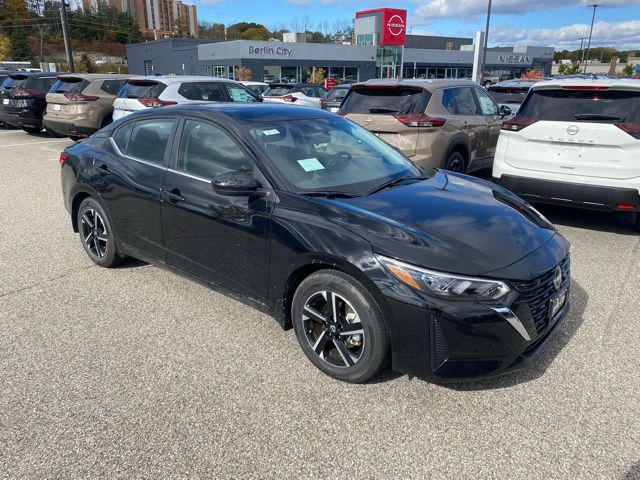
[
  {"x": 617, "y": 222},
  {"x": 633, "y": 473},
  {"x": 539, "y": 364}
]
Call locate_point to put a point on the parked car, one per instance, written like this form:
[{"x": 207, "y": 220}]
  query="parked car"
[
  {"x": 81, "y": 104},
  {"x": 447, "y": 123},
  {"x": 322, "y": 224},
  {"x": 575, "y": 142},
  {"x": 510, "y": 93},
  {"x": 22, "y": 102},
  {"x": 141, "y": 93},
  {"x": 333, "y": 99},
  {"x": 256, "y": 87},
  {"x": 303, "y": 94}
]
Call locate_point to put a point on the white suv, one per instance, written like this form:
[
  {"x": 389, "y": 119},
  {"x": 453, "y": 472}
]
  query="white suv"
[
  {"x": 139, "y": 93},
  {"x": 574, "y": 142}
]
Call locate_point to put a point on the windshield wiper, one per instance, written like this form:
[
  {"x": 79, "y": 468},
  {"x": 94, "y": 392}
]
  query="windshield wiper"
[
  {"x": 321, "y": 193},
  {"x": 382, "y": 110},
  {"x": 393, "y": 182},
  {"x": 595, "y": 116}
]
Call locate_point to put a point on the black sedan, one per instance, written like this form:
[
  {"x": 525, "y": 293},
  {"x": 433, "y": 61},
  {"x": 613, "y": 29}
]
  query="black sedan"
[
  {"x": 23, "y": 99},
  {"x": 306, "y": 215}
]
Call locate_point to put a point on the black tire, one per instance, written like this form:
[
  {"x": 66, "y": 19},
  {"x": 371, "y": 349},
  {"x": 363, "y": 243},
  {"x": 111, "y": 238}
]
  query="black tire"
[
  {"x": 456, "y": 162},
  {"x": 96, "y": 234},
  {"x": 106, "y": 121},
  {"x": 638, "y": 222},
  {"x": 487, "y": 84},
  {"x": 31, "y": 130},
  {"x": 54, "y": 134},
  {"x": 75, "y": 138},
  {"x": 367, "y": 350}
]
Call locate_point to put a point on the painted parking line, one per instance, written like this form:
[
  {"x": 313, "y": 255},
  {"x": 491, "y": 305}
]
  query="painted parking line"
[{"x": 36, "y": 143}]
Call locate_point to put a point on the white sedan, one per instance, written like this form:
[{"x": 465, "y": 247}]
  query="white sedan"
[{"x": 305, "y": 94}]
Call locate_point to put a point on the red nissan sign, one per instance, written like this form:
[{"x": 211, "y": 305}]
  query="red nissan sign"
[{"x": 392, "y": 24}]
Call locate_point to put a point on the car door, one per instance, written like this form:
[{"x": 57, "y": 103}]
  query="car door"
[
  {"x": 490, "y": 120},
  {"x": 129, "y": 175},
  {"x": 475, "y": 125},
  {"x": 223, "y": 239}
]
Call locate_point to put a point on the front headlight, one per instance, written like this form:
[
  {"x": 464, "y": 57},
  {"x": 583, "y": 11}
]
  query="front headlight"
[{"x": 445, "y": 285}]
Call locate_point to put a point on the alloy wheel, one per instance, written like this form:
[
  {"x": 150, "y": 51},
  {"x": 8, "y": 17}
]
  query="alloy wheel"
[
  {"x": 333, "y": 329},
  {"x": 94, "y": 233},
  {"x": 456, "y": 164}
]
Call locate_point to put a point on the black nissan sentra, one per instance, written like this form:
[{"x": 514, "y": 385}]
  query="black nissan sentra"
[{"x": 308, "y": 216}]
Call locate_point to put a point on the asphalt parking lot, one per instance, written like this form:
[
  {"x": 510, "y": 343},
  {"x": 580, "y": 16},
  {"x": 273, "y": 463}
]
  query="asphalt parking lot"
[{"x": 136, "y": 372}]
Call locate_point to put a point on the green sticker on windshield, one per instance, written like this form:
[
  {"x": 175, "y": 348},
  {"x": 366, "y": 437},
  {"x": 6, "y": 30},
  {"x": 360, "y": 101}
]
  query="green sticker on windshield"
[{"x": 310, "y": 164}]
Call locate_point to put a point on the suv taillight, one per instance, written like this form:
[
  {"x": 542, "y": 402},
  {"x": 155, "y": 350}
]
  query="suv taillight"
[
  {"x": 24, "y": 93},
  {"x": 79, "y": 97},
  {"x": 155, "y": 102},
  {"x": 517, "y": 123},
  {"x": 419, "y": 120},
  {"x": 632, "y": 129}
]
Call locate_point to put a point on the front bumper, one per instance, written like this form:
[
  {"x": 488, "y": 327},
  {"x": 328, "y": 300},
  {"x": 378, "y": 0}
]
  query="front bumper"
[
  {"x": 444, "y": 341},
  {"x": 590, "y": 197},
  {"x": 68, "y": 128}
]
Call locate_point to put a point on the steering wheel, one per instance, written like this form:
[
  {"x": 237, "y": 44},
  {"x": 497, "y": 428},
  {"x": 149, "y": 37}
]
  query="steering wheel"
[{"x": 339, "y": 160}]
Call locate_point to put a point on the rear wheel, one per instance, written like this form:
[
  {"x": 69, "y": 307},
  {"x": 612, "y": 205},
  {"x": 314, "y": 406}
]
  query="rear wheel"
[
  {"x": 106, "y": 121},
  {"x": 455, "y": 162},
  {"x": 340, "y": 327},
  {"x": 31, "y": 129},
  {"x": 96, "y": 234},
  {"x": 75, "y": 138},
  {"x": 487, "y": 84}
]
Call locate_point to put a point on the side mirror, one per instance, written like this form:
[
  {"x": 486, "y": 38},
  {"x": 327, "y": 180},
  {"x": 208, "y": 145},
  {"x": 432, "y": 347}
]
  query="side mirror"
[
  {"x": 237, "y": 184},
  {"x": 505, "y": 111}
]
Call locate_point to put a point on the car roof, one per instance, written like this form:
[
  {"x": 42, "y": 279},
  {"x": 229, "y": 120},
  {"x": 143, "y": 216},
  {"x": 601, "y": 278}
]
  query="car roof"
[
  {"x": 241, "y": 113},
  {"x": 623, "y": 84},
  {"x": 20, "y": 75},
  {"x": 426, "y": 83},
  {"x": 96, "y": 76},
  {"x": 168, "y": 79},
  {"x": 294, "y": 84},
  {"x": 513, "y": 83},
  {"x": 251, "y": 82}
]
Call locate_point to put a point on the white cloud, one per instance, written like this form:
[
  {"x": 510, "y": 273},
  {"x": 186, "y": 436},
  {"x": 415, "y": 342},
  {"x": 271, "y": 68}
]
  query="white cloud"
[
  {"x": 471, "y": 9},
  {"x": 622, "y": 35}
]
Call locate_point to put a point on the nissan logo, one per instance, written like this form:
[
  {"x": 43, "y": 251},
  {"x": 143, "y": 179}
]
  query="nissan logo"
[
  {"x": 557, "y": 278},
  {"x": 395, "y": 25},
  {"x": 572, "y": 129}
]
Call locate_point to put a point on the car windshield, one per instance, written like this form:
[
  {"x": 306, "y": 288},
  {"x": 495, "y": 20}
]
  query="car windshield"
[
  {"x": 383, "y": 99},
  {"x": 583, "y": 105},
  {"x": 6, "y": 83},
  {"x": 281, "y": 90},
  {"x": 30, "y": 83},
  {"x": 330, "y": 155},
  {"x": 336, "y": 94},
  {"x": 508, "y": 94},
  {"x": 69, "y": 85},
  {"x": 141, "y": 89}
]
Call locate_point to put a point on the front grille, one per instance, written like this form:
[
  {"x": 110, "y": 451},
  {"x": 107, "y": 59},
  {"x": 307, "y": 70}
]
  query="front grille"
[{"x": 535, "y": 294}]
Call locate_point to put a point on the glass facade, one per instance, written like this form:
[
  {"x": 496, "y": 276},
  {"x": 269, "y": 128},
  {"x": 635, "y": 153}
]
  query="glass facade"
[
  {"x": 304, "y": 74},
  {"x": 389, "y": 61}
]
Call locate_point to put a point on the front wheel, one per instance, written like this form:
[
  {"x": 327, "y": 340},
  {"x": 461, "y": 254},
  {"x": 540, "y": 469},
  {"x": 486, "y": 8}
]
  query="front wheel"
[
  {"x": 96, "y": 234},
  {"x": 340, "y": 327}
]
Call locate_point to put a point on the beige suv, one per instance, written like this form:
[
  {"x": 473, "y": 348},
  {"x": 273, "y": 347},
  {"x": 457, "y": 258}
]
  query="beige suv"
[
  {"x": 448, "y": 123},
  {"x": 81, "y": 104}
]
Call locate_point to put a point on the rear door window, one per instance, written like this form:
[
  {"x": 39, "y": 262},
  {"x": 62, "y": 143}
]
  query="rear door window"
[
  {"x": 141, "y": 89},
  {"x": 385, "y": 100},
  {"x": 122, "y": 136},
  {"x": 337, "y": 94},
  {"x": 593, "y": 106},
  {"x": 149, "y": 139},
  {"x": 203, "y": 91},
  {"x": 69, "y": 85}
]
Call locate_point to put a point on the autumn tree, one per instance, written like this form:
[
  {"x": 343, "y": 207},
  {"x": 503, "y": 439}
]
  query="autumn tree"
[{"x": 243, "y": 74}]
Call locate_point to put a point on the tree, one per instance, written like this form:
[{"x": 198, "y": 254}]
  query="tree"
[
  {"x": 628, "y": 70},
  {"x": 565, "y": 69},
  {"x": 255, "y": 33},
  {"x": 317, "y": 76},
  {"x": 243, "y": 74},
  {"x": 181, "y": 28},
  {"x": 5, "y": 47},
  {"x": 532, "y": 75},
  {"x": 213, "y": 31}
]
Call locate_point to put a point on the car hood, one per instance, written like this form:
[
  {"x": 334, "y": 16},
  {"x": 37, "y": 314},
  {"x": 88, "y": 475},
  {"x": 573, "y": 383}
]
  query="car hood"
[{"x": 449, "y": 222}]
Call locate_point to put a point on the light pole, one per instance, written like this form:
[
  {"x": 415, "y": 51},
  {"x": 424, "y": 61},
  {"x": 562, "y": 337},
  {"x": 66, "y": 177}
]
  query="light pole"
[
  {"x": 582, "y": 39},
  {"x": 593, "y": 16},
  {"x": 486, "y": 41}
]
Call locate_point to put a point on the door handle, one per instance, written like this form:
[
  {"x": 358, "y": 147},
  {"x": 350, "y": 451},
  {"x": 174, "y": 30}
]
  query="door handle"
[
  {"x": 173, "y": 196},
  {"x": 103, "y": 170}
]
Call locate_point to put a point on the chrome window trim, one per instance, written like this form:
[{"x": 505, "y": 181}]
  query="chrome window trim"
[{"x": 146, "y": 162}]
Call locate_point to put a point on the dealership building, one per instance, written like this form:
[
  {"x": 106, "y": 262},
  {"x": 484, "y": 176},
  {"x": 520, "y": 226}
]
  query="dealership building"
[{"x": 382, "y": 49}]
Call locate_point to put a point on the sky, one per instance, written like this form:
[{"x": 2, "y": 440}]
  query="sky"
[{"x": 557, "y": 23}]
